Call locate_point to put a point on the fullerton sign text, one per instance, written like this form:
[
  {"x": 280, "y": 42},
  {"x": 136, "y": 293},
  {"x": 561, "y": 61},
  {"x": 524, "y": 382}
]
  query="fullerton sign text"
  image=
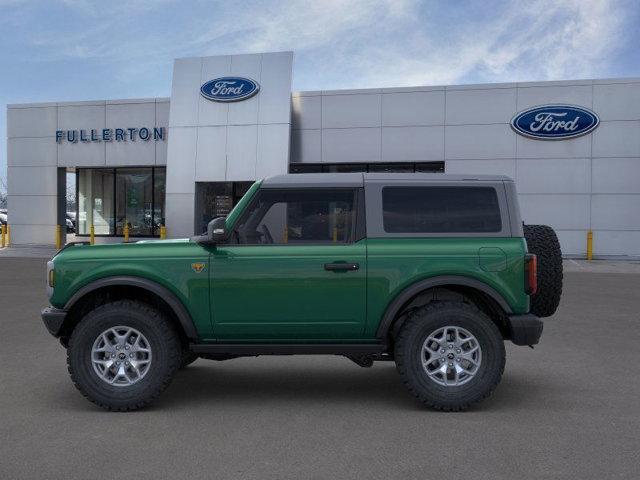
[{"x": 111, "y": 135}]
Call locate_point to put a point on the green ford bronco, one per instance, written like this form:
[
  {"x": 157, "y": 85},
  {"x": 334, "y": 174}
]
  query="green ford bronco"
[{"x": 431, "y": 271}]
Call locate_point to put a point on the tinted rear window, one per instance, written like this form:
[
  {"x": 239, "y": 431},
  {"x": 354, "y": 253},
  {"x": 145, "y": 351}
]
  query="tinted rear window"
[{"x": 440, "y": 210}]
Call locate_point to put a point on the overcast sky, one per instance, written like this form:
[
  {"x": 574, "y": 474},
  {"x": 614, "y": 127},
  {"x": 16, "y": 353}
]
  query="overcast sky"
[{"x": 84, "y": 49}]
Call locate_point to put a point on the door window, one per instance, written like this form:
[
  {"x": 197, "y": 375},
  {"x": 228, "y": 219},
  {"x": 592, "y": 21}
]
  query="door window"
[{"x": 311, "y": 216}]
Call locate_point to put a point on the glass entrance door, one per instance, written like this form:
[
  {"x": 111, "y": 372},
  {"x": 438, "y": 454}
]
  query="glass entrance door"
[{"x": 216, "y": 199}]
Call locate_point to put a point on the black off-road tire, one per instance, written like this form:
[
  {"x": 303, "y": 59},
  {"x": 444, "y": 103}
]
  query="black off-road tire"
[
  {"x": 425, "y": 321},
  {"x": 188, "y": 357},
  {"x": 165, "y": 346},
  {"x": 543, "y": 242}
]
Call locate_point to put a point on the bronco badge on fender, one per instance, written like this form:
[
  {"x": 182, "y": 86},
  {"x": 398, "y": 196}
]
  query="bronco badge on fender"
[{"x": 198, "y": 266}]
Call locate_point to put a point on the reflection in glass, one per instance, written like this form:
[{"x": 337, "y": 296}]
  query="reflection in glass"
[
  {"x": 95, "y": 201},
  {"x": 109, "y": 198},
  {"x": 134, "y": 193}
]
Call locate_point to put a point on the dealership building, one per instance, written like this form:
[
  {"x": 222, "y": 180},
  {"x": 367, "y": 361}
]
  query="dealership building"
[{"x": 573, "y": 148}]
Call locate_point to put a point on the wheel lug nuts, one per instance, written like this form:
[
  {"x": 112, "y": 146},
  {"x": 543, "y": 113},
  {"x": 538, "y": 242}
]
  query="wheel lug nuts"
[{"x": 450, "y": 346}]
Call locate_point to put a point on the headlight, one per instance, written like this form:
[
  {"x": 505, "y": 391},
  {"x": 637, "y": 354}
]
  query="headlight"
[{"x": 51, "y": 278}]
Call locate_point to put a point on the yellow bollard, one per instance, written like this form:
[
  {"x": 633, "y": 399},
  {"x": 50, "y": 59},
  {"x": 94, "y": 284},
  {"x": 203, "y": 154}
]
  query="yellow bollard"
[
  {"x": 92, "y": 235},
  {"x": 3, "y": 235},
  {"x": 126, "y": 232},
  {"x": 8, "y": 235},
  {"x": 58, "y": 237},
  {"x": 163, "y": 232},
  {"x": 335, "y": 234},
  {"x": 589, "y": 245}
]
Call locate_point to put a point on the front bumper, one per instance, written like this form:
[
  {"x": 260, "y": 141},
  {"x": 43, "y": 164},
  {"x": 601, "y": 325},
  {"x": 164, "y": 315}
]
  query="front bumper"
[
  {"x": 525, "y": 329},
  {"x": 53, "y": 319}
]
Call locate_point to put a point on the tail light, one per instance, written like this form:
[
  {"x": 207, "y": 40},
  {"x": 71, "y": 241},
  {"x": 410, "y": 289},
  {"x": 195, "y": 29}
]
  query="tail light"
[{"x": 530, "y": 274}]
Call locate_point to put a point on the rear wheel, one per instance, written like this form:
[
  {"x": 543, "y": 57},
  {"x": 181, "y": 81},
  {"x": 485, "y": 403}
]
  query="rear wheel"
[
  {"x": 450, "y": 355},
  {"x": 123, "y": 354},
  {"x": 543, "y": 242}
]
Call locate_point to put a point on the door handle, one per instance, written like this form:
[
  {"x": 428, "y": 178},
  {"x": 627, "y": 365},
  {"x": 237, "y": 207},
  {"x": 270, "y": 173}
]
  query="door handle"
[{"x": 341, "y": 266}]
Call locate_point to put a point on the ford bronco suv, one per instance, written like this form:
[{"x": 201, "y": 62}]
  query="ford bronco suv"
[{"x": 431, "y": 271}]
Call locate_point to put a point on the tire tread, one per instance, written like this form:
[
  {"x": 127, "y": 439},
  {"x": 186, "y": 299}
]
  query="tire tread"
[
  {"x": 416, "y": 317},
  {"x": 167, "y": 331}
]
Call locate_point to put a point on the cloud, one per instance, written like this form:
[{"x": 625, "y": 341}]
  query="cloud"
[
  {"x": 545, "y": 40},
  {"x": 354, "y": 43},
  {"x": 126, "y": 48}
]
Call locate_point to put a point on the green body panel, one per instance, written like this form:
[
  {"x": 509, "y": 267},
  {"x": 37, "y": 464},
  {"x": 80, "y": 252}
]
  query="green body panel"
[
  {"x": 166, "y": 262},
  {"x": 283, "y": 292},
  {"x": 395, "y": 264}
]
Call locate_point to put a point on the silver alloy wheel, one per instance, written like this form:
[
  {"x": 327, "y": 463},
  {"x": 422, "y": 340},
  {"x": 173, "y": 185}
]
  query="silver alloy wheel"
[
  {"x": 451, "y": 356},
  {"x": 121, "y": 356}
]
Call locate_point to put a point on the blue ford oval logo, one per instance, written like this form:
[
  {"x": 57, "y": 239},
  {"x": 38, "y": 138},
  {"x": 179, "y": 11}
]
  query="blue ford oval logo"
[
  {"x": 555, "y": 122},
  {"x": 229, "y": 89}
]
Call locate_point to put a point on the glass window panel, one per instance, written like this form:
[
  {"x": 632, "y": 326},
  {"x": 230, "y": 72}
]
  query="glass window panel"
[
  {"x": 159, "y": 195},
  {"x": 344, "y": 167},
  {"x": 430, "y": 167},
  {"x": 440, "y": 210},
  {"x": 216, "y": 199},
  {"x": 213, "y": 199},
  {"x": 298, "y": 217},
  {"x": 305, "y": 168},
  {"x": 134, "y": 197},
  {"x": 95, "y": 201},
  {"x": 391, "y": 167}
]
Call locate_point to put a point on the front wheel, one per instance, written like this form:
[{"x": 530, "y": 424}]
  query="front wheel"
[
  {"x": 123, "y": 354},
  {"x": 450, "y": 355}
]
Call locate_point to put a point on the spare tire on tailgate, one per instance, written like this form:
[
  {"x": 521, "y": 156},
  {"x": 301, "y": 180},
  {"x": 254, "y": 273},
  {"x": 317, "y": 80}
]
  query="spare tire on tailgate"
[{"x": 543, "y": 242}]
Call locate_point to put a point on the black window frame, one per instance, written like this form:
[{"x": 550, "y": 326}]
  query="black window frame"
[
  {"x": 155, "y": 232},
  {"x": 358, "y": 229}
]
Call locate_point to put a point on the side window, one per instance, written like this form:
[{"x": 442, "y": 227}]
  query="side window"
[
  {"x": 310, "y": 216},
  {"x": 434, "y": 209}
]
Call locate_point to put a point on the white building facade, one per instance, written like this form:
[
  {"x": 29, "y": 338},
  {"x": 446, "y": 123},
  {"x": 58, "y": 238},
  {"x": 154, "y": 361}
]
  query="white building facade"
[{"x": 182, "y": 160}]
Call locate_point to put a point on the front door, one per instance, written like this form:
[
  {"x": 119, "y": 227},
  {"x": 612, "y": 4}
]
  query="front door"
[{"x": 294, "y": 269}]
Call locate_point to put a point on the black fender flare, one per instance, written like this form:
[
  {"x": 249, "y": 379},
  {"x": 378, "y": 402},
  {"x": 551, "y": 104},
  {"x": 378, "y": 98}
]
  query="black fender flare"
[
  {"x": 415, "y": 288},
  {"x": 164, "y": 293}
]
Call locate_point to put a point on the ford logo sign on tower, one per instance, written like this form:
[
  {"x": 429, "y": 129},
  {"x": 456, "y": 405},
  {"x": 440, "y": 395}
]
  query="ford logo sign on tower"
[
  {"x": 229, "y": 89},
  {"x": 555, "y": 122}
]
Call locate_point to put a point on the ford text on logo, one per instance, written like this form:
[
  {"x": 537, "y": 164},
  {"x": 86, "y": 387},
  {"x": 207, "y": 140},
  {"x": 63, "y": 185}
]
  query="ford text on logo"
[
  {"x": 229, "y": 89},
  {"x": 555, "y": 122}
]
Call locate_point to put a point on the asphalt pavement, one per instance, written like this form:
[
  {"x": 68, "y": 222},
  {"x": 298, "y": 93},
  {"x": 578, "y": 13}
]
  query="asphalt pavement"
[{"x": 569, "y": 409}]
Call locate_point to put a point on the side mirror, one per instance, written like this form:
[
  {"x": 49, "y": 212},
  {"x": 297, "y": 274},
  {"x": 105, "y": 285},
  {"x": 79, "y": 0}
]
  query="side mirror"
[{"x": 216, "y": 231}]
